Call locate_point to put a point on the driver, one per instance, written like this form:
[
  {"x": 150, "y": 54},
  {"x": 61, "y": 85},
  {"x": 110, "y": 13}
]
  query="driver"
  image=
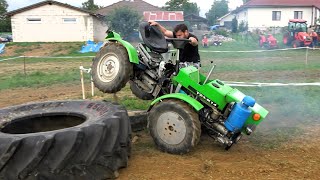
[{"x": 189, "y": 55}]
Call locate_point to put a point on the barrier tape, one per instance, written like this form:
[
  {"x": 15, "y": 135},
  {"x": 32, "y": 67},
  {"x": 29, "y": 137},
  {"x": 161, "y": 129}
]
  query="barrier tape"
[
  {"x": 254, "y": 51},
  {"x": 47, "y": 57},
  {"x": 257, "y": 84},
  {"x": 10, "y": 58}
]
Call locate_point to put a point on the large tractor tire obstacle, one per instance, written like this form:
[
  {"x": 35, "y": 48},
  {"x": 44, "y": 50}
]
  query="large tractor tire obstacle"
[{"x": 64, "y": 140}]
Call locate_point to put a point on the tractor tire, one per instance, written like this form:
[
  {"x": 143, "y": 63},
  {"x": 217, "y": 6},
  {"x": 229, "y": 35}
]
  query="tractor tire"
[
  {"x": 174, "y": 126},
  {"x": 285, "y": 39},
  {"x": 64, "y": 140},
  {"x": 140, "y": 93},
  {"x": 111, "y": 68}
]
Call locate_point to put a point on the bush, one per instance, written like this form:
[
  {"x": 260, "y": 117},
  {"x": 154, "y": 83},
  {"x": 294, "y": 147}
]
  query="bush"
[{"x": 222, "y": 32}]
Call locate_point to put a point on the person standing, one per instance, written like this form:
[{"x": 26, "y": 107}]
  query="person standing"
[{"x": 190, "y": 54}]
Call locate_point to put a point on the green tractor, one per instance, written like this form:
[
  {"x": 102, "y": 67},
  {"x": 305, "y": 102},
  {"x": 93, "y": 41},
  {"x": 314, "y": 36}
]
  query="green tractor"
[{"x": 185, "y": 102}]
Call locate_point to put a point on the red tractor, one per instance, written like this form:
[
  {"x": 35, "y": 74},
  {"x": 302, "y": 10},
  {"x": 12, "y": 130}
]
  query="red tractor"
[{"x": 296, "y": 35}]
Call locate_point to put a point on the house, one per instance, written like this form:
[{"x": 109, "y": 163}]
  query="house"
[
  {"x": 262, "y": 14},
  {"x": 166, "y": 18},
  {"x": 198, "y": 21},
  {"x": 52, "y": 21},
  {"x": 147, "y": 12},
  {"x": 226, "y": 20},
  {"x": 138, "y": 5}
]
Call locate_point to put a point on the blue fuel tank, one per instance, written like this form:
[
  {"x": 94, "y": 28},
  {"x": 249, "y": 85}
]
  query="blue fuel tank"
[{"x": 239, "y": 114}]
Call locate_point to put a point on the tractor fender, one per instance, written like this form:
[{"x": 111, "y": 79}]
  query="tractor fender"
[
  {"x": 194, "y": 103},
  {"x": 132, "y": 52}
]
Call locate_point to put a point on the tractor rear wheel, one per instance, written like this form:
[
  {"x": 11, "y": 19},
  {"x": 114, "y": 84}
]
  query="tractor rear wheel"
[
  {"x": 111, "y": 68},
  {"x": 139, "y": 92},
  {"x": 295, "y": 44},
  {"x": 285, "y": 39},
  {"x": 174, "y": 126}
]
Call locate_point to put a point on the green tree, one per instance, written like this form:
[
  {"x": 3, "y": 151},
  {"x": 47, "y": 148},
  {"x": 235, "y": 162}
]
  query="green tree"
[
  {"x": 218, "y": 9},
  {"x": 243, "y": 26},
  {"x": 5, "y": 24},
  {"x": 90, "y": 6},
  {"x": 123, "y": 20},
  {"x": 182, "y": 5},
  {"x": 234, "y": 25},
  {"x": 245, "y": 1}
]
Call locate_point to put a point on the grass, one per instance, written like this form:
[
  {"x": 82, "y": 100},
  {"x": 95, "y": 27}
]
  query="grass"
[
  {"x": 38, "y": 79},
  {"x": 132, "y": 103}
]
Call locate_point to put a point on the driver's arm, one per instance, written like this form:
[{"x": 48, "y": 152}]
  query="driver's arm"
[
  {"x": 164, "y": 31},
  {"x": 194, "y": 41}
]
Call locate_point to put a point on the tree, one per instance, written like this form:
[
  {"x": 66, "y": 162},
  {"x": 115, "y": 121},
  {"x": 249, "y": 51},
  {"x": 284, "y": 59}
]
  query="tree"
[
  {"x": 218, "y": 9},
  {"x": 243, "y": 26},
  {"x": 182, "y": 5},
  {"x": 245, "y": 1},
  {"x": 90, "y": 6},
  {"x": 234, "y": 25},
  {"x": 123, "y": 20},
  {"x": 5, "y": 24}
]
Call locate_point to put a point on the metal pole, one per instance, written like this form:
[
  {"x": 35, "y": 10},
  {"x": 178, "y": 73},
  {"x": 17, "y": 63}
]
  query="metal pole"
[{"x": 209, "y": 73}]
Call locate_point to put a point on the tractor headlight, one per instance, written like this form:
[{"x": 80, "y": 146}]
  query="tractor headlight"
[{"x": 304, "y": 37}]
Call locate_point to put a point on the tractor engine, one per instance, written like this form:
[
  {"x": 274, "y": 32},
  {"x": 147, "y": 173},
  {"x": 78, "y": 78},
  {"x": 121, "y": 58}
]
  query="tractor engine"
[{"x": 226, "y": 127}]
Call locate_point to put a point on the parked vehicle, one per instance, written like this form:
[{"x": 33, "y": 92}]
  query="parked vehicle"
[
  {"x": 184, "y": 99},
  {"x": 296, "y": 35}
]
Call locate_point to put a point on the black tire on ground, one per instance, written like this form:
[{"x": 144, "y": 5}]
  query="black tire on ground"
[
  {"x": 139, "y": 92},
  {"x": 111, "y": 68},
  {"x": 174, "y": 126},
  {"x": 64, "y": 140}
]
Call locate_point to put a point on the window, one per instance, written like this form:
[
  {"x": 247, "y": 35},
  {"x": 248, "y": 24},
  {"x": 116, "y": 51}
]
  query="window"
[
  {"x": 276, "y": 15},
  {"x": 34, "y": 20},
  {"x": 69, "y": 20},
  {"x": 297, "y": 14}
]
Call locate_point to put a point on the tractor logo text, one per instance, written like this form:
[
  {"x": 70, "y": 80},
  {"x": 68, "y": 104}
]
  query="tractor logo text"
[{"x": 206, "y": 99}]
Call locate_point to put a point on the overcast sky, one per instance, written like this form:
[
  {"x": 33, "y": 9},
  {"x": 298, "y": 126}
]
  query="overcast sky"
[{"x": 204, "y": 5}]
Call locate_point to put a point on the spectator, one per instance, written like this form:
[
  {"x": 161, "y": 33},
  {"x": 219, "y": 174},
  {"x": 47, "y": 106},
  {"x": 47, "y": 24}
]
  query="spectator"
[{"x": 205, "y": 41}]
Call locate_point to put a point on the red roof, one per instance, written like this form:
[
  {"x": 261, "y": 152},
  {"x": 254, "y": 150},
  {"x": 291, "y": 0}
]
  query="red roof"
[
  {"x": 163, "y": 15},
  {"x": 297, "y": 20},
  {"x": 290, "y": 3}
]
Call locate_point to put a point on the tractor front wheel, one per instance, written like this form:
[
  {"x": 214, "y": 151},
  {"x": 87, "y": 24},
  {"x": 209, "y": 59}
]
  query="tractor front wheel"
[
  {"x": 111, "y": 68},
  {"x": 174, "y": 126}
]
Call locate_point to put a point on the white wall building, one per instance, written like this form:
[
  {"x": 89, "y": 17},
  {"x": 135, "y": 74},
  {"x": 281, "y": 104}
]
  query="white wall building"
[
  {"x": 51, "y": 21},
  {"x": 262, "y": 14}
]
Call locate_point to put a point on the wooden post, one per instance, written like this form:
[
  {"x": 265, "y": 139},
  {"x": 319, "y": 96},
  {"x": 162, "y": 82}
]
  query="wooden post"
[
  {"x": 306, "y": 63},
  {"x": 82, "y": 83},
  {"x": 24, "y": 66},
  {"x": 92, "y": 87}
]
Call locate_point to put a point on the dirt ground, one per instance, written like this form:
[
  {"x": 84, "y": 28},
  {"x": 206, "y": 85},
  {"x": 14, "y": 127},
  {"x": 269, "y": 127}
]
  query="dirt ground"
[{"x": 297, "y": 158}]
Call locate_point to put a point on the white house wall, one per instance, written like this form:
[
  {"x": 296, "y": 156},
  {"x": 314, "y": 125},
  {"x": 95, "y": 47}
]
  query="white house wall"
[
  {"x": 226, "y": 19},
  {"x": 262, "y": 17},
  {"x": 52, "y": 27},
  {"x": 242, "y": 16}
]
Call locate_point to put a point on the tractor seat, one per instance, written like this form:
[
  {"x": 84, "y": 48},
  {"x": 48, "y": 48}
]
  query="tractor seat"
[{"x": 153, "y": 38}]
